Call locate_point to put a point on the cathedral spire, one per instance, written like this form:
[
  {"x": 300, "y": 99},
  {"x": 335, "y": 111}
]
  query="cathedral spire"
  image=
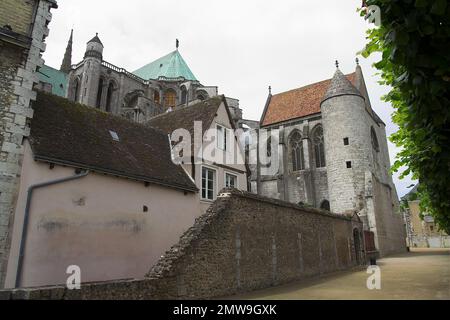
[{"x": 67, "y": 61}]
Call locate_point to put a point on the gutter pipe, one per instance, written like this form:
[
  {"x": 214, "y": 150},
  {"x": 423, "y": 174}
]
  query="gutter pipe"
[{"x": 27, "y": 216}]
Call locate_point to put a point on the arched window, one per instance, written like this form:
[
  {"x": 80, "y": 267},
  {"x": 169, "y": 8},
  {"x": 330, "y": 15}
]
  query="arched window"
[
  {"x": 296, "y": 146},
  {"x": 170, "y": 98},
  {"x": 319, "y": 148},
  {"x": 156, "y": 97},
  {"x": 373, "y": 135},
  {"x": 76, "y": 90},
  {"x": 269, "y": 145},
  {"x": 202, "y": 95},
  {"x": 325, "y": 205},
  {"x": 183, "y": 95},
  {"x": 109, "y": 97},
  {"x": 99, "y": 93}
]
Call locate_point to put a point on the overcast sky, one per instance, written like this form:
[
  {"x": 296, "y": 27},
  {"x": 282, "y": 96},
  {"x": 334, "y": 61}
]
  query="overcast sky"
[{"x": 241, "y": 46}]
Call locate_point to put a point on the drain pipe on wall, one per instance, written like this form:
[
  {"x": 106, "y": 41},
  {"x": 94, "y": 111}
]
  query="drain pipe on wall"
[{"x": 27, "y": 215}]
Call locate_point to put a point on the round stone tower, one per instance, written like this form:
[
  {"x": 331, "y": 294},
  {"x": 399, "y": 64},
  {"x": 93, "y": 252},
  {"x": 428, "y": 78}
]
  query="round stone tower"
[
  {"x": 93, "y": 58},
  {"x": 347, "y": 144}
]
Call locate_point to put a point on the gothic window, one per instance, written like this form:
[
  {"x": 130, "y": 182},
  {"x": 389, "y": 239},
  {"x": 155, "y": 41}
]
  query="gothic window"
[
  {"x": 156, "y": 98},
  {"x": 202, "y": 95},
  {"x": 325, "y": 205},
  {"x": 269, "y": 146},
  {"x": 375, "y": 144},
  {"x": 170, "y": 98},
  {"x": 319, "y": 148},
  {"x": 99, "y": 93},
  {"x": 109, "y": 97},
  {"x": 76, "y": 90},
  {"x": 296, "y": 147},
  {"x": 183, "y": 95}
]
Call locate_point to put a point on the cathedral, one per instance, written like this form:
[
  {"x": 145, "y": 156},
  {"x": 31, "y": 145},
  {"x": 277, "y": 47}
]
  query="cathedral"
[{"x": 153, "y": 89}]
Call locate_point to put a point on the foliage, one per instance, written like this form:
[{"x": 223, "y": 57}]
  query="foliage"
[{"x": 414, "y": 42}]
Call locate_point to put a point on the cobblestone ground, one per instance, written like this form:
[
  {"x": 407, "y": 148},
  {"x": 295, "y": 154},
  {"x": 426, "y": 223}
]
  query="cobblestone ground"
[{"x": 420, "y": 274}]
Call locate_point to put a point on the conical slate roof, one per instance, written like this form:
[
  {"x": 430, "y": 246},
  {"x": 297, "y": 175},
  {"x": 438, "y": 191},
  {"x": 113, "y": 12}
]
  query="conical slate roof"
[
  {"x": 340, "y": 85},
  {"x": 169, "y": 67},
  {"x": 96, "y": 39}
]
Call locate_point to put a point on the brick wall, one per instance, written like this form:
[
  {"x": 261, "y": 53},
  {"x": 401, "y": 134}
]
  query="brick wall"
[
  {"x": 244, "y": 242},
  {"x": 18, "y": 14}
]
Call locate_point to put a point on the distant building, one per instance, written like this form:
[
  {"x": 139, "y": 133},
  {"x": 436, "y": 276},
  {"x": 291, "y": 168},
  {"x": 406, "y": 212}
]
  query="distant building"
[
  {"x": 165, "y": 83},
  {"x": 422, "y": 230}
]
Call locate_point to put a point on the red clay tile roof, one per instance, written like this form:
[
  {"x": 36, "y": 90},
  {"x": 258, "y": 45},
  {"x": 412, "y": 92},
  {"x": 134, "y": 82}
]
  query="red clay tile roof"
[{"x": 297, "y": 103}]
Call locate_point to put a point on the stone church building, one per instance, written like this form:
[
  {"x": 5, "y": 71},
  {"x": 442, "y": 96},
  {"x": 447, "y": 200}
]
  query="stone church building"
[
  {"x": 151, "y": 90},
  {"x": 333, "y": 154}
]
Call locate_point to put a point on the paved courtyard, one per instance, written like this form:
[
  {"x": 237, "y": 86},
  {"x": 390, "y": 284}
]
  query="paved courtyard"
[{"x": 420, "y": 274}]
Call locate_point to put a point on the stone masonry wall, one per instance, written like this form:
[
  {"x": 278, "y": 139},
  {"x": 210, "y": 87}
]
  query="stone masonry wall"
[
  {"x": 17, "y": 78},
  {"x": 244, "y": 242}
]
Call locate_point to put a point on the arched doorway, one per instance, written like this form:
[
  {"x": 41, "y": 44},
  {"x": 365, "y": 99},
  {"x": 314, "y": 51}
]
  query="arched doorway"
[{"x": 357, "y": 243}]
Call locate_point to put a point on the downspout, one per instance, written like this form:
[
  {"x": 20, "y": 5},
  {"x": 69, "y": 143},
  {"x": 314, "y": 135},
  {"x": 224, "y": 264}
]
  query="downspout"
[{"x": 27, "y": 215}]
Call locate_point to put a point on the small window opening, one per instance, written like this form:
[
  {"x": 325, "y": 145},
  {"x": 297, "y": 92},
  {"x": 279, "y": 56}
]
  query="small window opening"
[
  {"x": 349, "y": 164},
  {"x": 145, "y": 209},
  {"x": 346, "y": 142}
]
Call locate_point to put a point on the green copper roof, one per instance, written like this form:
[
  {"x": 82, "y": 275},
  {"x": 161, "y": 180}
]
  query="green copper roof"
[
  {"x": 170, "y": 67},
  {"x": 56, "y": 78}
]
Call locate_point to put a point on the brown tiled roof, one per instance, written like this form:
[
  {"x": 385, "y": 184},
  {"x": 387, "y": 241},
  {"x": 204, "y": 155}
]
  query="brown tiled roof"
[
  {"x": 297, "y": 103},
  {"x": 184, "y": 118},
  {"x": 71, "y": 134}
]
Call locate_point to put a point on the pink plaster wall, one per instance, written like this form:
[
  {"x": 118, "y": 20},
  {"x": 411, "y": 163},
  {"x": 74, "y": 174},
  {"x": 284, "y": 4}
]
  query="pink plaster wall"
[{"x": 97, "y": 223}]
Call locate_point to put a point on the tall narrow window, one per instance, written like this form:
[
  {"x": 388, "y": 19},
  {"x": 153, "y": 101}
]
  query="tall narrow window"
[
  {"x": 296, "y": 146},
  {"x": 375, "y": 144},
  {"x": 319, "y": 148},
  {"x": 109, "y": 97},
  {"x": 170, "y": 98},
  {"x": 76, "y": 91},
  {"x": 208, "y": 183},
  {"x": 183, "y": 95},
  {"x": 156, "y": 97},
  {"x": 99, "y": 93},
  {"x": 230, "y": 180},
  {"x": 222, "y": 137}
]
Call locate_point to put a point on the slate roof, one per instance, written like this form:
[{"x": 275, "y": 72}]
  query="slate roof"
[
  {"x": 169, "y": 67},
  {"x": 96, "y": 39},
  {"x": 297, "y": 103},
  {"x": 185, "y": 117},
  {"x": 56, "y": 78},
  {"x": 340, "y": 85},
  {"x": 71, "y": 134}
]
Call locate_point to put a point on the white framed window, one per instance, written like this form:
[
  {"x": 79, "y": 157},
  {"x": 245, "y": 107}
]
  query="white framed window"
[
  {"x": 231, "y": 180},
  {"x": 222, "y": 137},
  {"x": 208, "y": 183}
]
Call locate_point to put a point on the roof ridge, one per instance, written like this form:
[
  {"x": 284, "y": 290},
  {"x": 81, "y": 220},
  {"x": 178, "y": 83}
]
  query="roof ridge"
[{"x": 310, "y": 85}]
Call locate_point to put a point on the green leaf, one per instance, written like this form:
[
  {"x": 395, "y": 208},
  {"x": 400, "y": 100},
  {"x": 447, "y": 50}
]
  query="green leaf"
[{"x": 439, "y": 7}]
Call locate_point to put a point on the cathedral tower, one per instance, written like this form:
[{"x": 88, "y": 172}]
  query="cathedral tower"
[
  {"x": 93, "y": 58},
  {"x": 67, "y": 61},
  {"x": 347, "y": 141}
]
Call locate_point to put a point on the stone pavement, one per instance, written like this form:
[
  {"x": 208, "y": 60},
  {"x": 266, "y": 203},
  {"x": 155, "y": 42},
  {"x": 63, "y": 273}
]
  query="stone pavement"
[{"x": 420, "y": 274}]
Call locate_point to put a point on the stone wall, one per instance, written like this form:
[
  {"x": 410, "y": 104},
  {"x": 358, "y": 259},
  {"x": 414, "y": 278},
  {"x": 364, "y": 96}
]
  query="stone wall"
[
  {"x": 18, "y": 64},
  {"x": 244, "y": 242}
]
